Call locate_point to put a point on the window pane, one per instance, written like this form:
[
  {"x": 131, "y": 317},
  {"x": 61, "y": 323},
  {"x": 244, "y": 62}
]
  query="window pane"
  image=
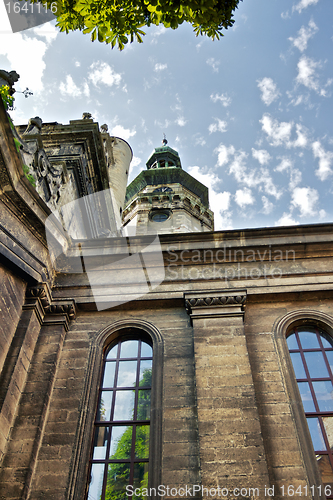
[
  {"x": 127, "y": 374},
  {"x": 100, "y": 442},
  {"x": 96, "y": 483},
  {"x": 308, "y": 340},
  {"x": 316, "y": 434},
  {"x": 298, "y": 365},
  {"x": 129, "y": 349},
  {"x": 145, "y": 373},
  {"x": 108, "y": 380},
  {"x": 124, "y": 405},
  {"x": 306, "y": 396},
  {"x": 140, "y": 476},
  {"x": 117, "y": 480},
  {"x": 143, "y": 412},
  {"x": 112, "y": 352},
  {"x": 327, "y": 342},
  {"x": 292, "y": 342},
  {"x": 146, "y": 350},
  {"x": 121, "y": 442},
  {"x": 142, "y": 441},
  {"x": 104, "y": 407},
  {"x": 324, "y": 393},
  {"x": 328, "y": 424},
  {"x": 316, "y": 365}
]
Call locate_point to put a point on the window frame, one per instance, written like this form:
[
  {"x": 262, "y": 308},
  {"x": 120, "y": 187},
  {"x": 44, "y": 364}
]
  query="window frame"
[
  {"x": 84, "y": 439},
  {"x": 321, "y": 349},
  {"x": 281, "y": 329}
]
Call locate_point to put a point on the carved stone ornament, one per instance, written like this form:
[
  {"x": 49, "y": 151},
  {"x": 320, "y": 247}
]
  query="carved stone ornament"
[
  {"x": 39, "y": 298},
  {"x": 215, "y": 304},
  {"x": 67, "y": 308},
  {"x": 214, "y": 301}
]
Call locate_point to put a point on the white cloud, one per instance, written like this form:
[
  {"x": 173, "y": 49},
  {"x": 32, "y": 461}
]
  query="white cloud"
[
  {"x": 223, "y": 153},
  {"x": 199, "y": 140},
  {"x": 308, "y": 75},
  {"x": 244, "y": 197},
  {"x": 325, "y": 160},
  {"x": 267, "y": 206},
  {"x": 160, "y": 67},
  {"x": 181, "y": 121},
  {"x": 303, "y": 4},
  {"x": 71, "y": 89},
  {"x": 305, "y": 200},
  {"x": 261, "y": 155},
  {"x": 101, "y": 72},
  {"x": 269, "y": 90},
  {"x": 219, "y": 201},
  {"x": 218, "y": 126},
  {"x": 11, "y": 47},
  {"x": 304, "y": 35},
  {"x": 259, "y": 178},
  {"x": 223, "y": 98},
  {"x": 156, "y": 32},
  {"x": 122, "y": 132},
  {"x": 302, "y": 138},
  {"x": 286, "y": 220},
  {"x": 77, "y": 64},
  {"x": 136, "y": 161},
  {"x": 295, "y": 175},
  {"x": 278, "y": 133},
  {"x": 48, "y": 31},
  {"x": 214, "y": 64}
]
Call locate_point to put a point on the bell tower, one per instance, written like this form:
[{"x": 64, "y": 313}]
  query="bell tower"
[{"x": 166, "y": 199}]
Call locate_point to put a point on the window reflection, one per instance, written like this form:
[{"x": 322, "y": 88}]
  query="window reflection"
[
  {"x": 311, "y": 353},
  {"x": 121, "y": 447}
]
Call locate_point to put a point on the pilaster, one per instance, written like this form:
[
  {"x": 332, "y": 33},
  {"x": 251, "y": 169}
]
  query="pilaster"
[
  {"x": 231, "y": 445},
  {"x": 42, "y": 330}
]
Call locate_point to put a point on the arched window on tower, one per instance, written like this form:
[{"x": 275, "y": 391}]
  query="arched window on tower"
[
  {"x": 311, "y": 352},
  {"x": 120, "y": 452}
]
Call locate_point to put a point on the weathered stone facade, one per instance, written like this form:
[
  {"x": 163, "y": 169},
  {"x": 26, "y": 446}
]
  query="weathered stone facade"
[{"x": 226, "y": 411}]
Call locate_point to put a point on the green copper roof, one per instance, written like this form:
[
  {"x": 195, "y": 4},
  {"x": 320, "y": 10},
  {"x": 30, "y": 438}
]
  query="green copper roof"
[
  {"x": 166, "y": 176},
  {"x": 164, "y": 157}
]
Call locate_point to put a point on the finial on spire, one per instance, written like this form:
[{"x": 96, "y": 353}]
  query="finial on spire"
[{"x": 164, "y": 142}]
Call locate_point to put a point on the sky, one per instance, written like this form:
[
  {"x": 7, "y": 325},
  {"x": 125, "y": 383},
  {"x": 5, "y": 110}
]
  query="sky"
[{"x": 250, "y": 114}]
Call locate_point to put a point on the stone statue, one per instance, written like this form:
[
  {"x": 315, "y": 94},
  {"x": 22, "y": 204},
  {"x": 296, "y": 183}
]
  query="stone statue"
[
  {"x": 86, "y": 116},
  {"x": 34, "y": 126},
  {"x": 8, "y": 78},
  {"x": 104, "y": 128}
]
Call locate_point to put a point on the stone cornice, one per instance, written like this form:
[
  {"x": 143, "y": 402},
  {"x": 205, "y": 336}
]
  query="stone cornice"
[
  {"x": 215, "y": 303},
  {"x": 38, "y": 298}
]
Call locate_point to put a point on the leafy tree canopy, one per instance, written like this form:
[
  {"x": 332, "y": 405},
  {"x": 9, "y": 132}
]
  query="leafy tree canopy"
[{"x": 117, "y": 22}]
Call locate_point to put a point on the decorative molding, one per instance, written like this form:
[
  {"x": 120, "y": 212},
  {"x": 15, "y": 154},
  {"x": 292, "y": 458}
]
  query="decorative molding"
[
  {"x": 39, "y": 299},
  {"x": 215, "y": 303}
]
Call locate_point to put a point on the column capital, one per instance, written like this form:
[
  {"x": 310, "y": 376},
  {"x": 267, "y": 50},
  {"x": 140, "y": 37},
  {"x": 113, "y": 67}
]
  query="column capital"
[{"x": 215, "y": 303}]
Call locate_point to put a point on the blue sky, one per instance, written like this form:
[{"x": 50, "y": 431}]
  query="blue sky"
[{"x": 250, "y": 114}]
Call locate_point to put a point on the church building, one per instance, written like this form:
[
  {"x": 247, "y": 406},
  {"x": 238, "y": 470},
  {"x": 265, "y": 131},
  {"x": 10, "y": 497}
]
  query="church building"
[{"x": 144, "y": 355}]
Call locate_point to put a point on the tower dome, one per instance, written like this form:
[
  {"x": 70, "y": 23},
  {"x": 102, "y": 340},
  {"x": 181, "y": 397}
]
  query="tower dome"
[{"x": 166, "y": 199}]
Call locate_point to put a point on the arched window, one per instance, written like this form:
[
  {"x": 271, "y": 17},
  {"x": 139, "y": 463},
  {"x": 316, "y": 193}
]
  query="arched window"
[
  {"x": 311, "y": 352},
  {"x": 120, "y": 454}
]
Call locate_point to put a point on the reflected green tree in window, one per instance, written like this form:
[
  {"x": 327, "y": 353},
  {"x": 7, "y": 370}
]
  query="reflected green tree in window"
[{"x": 118, "y": 473}]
